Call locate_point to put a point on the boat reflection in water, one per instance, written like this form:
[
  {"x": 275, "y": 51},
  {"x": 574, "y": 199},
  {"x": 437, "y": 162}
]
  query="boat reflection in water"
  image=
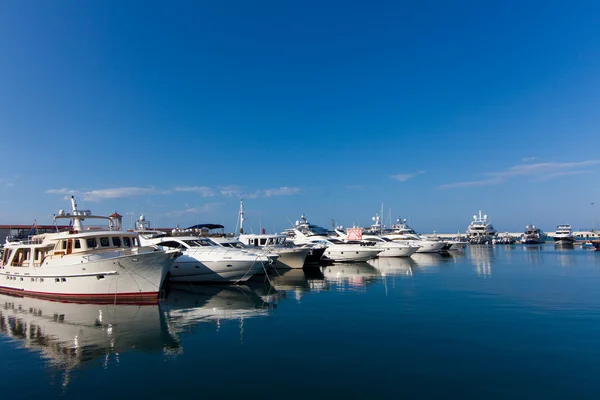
[
  {"x": 297, "y": 281},
  {"x": 350, "y": 276},
  {"x": 67, "y": 335},
  {"x": 186, "y": 305},
  {"x": 395, "y": 266},
  {"x": 424, "y": 260},
  {"x": 481, "y": 257}
]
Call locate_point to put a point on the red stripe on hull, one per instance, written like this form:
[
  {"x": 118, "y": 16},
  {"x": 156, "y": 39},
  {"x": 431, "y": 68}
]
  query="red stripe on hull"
[{"x": 142, "y": 298}]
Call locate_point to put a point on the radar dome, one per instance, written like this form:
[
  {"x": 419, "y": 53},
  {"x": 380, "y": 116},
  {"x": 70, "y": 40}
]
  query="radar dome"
[
  {"x": 142, "y": 217},
  {"x": 61, "y": 212}
]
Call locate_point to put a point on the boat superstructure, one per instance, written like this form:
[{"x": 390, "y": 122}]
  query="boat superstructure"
[
  {"x": 100, "y": 263},
  {"x": 533, "y": 235},
  {"x": 404, "y": 233},
  {"x": 480, "y": 230},
  {"x": 564, "y": 233},
  {"x": 338, "y": 250}
]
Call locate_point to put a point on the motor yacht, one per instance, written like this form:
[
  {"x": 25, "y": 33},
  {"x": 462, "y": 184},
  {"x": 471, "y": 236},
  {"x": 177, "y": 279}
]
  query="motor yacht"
[
  {"x": 204, "y": 261},
  {"x": 480, "y": 230},
  {"x": 289, "y": 255},
  {"x": 338, "y": 250},
  {"x": 564, "y": 233},
  {"x": 405, "y": 234},
  {"x": 85, "y": 263},
  {"x": 533, "y": 235}
]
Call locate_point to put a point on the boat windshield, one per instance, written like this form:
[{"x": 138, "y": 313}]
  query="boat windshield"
[{"x": 198, "y": 242}]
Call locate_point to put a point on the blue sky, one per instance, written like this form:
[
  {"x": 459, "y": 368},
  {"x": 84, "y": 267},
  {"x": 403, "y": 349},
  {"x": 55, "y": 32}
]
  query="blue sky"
[{"x": 330, "y": 108}]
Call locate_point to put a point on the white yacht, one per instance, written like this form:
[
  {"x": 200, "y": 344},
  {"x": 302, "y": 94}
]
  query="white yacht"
[
  {"x": 289, "y": 256},
  {"x": 404, "y": 233},
  {"x": 204, "y": 261},
  {"x": 85, "y": 263},
  {"x": 338, "y": 250},
  {"x": 389, "y": 247},
  {"x": 533, "y": 235},
  {"x": 564, "y": 234},
  {"x": 480, "y": 230},
  {"x": 69, "y": 335}
]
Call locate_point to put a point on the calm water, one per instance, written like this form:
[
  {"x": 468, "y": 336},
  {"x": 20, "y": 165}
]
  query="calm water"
[{"x": 490, "y": 321}]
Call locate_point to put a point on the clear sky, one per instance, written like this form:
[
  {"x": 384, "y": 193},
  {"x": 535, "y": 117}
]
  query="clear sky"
[{"x": 330, "y": 108}]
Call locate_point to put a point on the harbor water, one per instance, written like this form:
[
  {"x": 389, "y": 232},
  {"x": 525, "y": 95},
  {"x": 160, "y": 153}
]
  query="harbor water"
[{"x": 486, "y": 322}]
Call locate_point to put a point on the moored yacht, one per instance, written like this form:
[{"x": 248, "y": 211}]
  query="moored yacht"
[
  {"x": 85, "y": 263},
  {"x": 404, "y": 233},
  {"x": 480, "y": 230},
  {"x": 533, "y": 235},
  {"x": 204, "y": 261},
  {"x": 338, "y": 250},
  {"x": 289, "y": 256},
  {"x": 564, "y": 233}
]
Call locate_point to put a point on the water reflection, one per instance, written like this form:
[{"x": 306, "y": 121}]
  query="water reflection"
[
  {"x": 187, "y": 306},
  {"x": 533, "y": 252},
  {"x": 67, "y": 335},
  {"x": 350, "y": 276},
  {"x": 394, "y": 266},
  {"x": 298, "y": 281},
  {"x": 481, "y": 256},
  {"x": 425, "y": 260}
]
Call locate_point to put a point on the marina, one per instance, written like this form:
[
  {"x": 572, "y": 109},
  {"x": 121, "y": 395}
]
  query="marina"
[{"x": 459, "y": 320}]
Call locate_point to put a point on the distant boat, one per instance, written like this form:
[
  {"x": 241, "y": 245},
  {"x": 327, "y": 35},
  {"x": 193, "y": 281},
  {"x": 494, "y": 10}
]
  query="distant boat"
[
  {"x": 564, "y": 234},
  {"x": 480, "y": 230},
  {"x": 533, "y": 235}
]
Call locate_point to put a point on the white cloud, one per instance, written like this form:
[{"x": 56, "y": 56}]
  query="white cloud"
[
  {"x": 238, "y": 191},
  {"x": 231, "y": 190},
  {"x": 538, "y": 171},
  {"x": 405, "y": 177},
  {"x": 207, "y": 208},
  {"x": 282, "y": 191},
  {"x": 529, "y": 159},
  {"x": 104, "y": 194},
  {"x": 202, "y": 190}
]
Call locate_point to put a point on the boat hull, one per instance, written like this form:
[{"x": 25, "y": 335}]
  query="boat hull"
[
  {"x": 350, "y": 255},
  {"x": 292, "y": 257},
  {"x": 397, "y": 251},
  {"x": 97, "y": 277},
  {"x": 189, "y": 269}
]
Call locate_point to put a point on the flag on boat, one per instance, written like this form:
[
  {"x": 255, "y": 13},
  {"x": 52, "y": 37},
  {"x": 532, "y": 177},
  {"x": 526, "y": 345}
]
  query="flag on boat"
[{"x": 354, "y": 234}]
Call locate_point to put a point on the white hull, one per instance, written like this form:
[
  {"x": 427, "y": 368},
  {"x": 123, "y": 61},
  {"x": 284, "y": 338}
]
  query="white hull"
[
  {"x": 397, "y": 251},
  {"x": 291, "y": 258},
  {"x": 457, "y": 245},
  {"x": 360, "y": 253},
  {"x": 193, "y": 267},
  {"x": 102, "y": 276},
  {"x": 428, "y": 246}
]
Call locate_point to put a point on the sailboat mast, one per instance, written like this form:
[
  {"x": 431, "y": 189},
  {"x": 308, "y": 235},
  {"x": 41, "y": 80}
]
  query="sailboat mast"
[{"x": 241, "y": 215}]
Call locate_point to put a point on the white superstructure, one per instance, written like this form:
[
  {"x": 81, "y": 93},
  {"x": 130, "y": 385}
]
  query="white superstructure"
[
  {"x": 85, "y": 263},
  {"x": 405, "y": 234},
  {"x": 480, "y": 230},
  {"x": 564, "y": 233}
]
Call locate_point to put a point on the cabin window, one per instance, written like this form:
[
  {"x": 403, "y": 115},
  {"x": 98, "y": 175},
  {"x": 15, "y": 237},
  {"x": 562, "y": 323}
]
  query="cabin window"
[
  {"x": 256, "y": 242},
  {"x": 172, "y": 244},
  {"x": 116, "y": 241},
  {"x": 135, "y": 241},
  {"x": 126, "y": 242},
  {"x": 263, "y": 241},
  {"x": 7, "y": 253},
  {"x": 77, "y": 244},
  {"x": 104, "y": 242},
  {"x": 91, "y": 243},
  {"x": 64, "y": 244}
]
